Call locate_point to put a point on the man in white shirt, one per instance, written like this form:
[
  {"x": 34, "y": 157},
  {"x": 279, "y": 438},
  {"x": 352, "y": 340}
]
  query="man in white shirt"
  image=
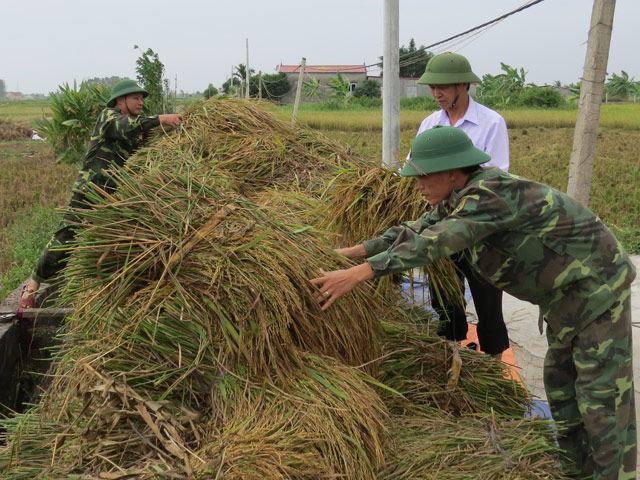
[{"x": 449, "y": 76}]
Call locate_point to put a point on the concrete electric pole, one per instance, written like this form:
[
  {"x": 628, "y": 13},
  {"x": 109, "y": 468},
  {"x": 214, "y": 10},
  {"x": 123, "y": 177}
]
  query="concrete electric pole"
[
  {"x": 595, "y": 71},
  {"x": 391, "y": 86},
  {"x": 246, "y": 95},
  {"x": 303, "y": 63}
]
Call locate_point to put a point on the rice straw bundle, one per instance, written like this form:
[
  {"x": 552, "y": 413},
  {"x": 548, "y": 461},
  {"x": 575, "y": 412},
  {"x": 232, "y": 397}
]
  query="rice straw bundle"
[
  {"x": 437, "y": 446},
  {"x": 197, "y": 349},
  {"x": 327, "y": 423},
  {"x": 366, "y": 202},
  {"x": 420, "y": 367},
  {"x": 177, "y": 266},
  {"x": 362, "y": 203},
  {"x": 249, "y": 147}
]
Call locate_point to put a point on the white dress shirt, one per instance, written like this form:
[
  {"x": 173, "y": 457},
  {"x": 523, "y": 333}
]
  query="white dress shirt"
[{"x": 485, "y": 127}]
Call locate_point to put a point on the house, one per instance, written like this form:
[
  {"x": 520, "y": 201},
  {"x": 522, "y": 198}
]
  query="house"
[
  {"x": 13, "y": 95},
  {"x": 356, "y": 74},
  {"x": 409, "y": 87}
]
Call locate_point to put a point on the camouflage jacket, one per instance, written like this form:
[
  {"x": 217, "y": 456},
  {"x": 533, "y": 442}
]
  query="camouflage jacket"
[
  {"x": 526, "y": 238},
  {"x": 115, "y": 138}
]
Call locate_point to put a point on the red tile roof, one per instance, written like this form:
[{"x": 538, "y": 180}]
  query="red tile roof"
[{"x": 323, "y": 68}]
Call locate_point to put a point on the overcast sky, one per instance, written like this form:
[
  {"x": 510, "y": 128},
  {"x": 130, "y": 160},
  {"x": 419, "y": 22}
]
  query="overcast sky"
[{"x": 49, "y": 42}]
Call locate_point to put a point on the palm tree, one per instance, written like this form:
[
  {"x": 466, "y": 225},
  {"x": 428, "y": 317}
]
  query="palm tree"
[{"x": 240, "y": 72}]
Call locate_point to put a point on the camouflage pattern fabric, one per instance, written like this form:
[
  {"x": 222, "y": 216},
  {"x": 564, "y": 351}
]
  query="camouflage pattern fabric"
[
  {"x": 589, "y": 385},
  {"x": 526, "y": 238},
  {"x": 541, "y": 246},
  {"x": 115, "y": 138}
]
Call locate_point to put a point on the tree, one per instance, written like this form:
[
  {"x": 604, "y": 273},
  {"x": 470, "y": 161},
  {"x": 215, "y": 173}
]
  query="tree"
[
  {"x": 311, "y": 88},
  {"x": 622, "y": 87},
  {"x": 413, "y": 61},
  {"x": 509, "y": 83},
  {"x": 574, "y": 88},
  {"x": 3, "y": 89},
  {"x": 339, "y": 87},
  {"x": 210, "y": 91},
  {"x": 274, "y": 86},
  {"x": 230, "y": 86},
  {"x": 73, "y": 115},
  {"x": 109, "y": 81},
  {"x": 368, "y": 88},
  {"x": 150, "y": 72},
  {"x": 240, "y": 72}
]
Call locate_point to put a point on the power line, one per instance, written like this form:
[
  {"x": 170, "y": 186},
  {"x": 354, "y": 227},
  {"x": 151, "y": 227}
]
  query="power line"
[
  {"x": 529, "y": 4},
  {"x": 483, "y": 26}
]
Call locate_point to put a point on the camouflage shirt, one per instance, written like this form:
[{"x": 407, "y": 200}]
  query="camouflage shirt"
[
  {"x": 115, "y": 138},
  {"x": 526, "y": 238}
]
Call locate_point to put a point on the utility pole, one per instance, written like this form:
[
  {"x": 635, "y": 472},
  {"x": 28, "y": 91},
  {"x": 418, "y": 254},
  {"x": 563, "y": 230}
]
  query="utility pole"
[
  {"x": 391, "y": 86},
  {"x": 246, "y": 94},
  {"x": 298, "y": 91},
  {"x": 595, "y": 70},
  {"x": 260, "y": 84},
  {"x": 231, "y": 81}
]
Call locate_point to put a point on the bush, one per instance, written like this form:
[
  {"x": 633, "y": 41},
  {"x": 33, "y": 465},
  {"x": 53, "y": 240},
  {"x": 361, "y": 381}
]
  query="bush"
[
  {"x": 369, "y": 88},
  {"x": 74, "y": 112},
  {"x": 210, "y": 91},
  {"x": 540, "y": 97},
  {"x": 497, "y": 102},
  {"x": 366, "y": 102},
  {"x": 418, "y": 103}
]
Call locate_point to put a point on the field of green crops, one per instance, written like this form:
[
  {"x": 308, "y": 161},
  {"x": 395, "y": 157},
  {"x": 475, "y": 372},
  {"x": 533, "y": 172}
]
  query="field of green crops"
[{"x": 32, "y": 184}]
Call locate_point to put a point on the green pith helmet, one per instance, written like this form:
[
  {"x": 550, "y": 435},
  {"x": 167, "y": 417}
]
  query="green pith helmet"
[
  {"x": 448, "y": 69},
  {"x": 125, "y": 87},
  {"x": 441, "y": 148}
]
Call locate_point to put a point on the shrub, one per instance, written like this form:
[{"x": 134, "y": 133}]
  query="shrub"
[
  {"x": 368, "y": 88},
  {"x": 366, "y": 102},
  {"x": 74, "y": 112},
  {"x": 541, "y": 97},
  {"x": 418, "y": 103}
]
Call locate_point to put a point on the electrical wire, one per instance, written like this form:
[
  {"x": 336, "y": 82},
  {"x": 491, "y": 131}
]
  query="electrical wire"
[{"x": 480, "y": 28}]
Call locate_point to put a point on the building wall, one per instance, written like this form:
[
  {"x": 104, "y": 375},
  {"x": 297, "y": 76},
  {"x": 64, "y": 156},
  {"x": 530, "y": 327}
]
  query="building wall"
[{"x": 324, "y": 93}]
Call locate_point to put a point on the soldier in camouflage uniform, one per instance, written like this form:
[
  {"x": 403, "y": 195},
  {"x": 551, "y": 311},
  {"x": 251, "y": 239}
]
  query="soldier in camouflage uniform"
[
  {"x": 539, "y": 245},
  {"x": 120, "y": 130}
]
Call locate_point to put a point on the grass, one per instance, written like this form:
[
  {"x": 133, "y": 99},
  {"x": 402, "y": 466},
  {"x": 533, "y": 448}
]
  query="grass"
[
  {"x": 541, "y": 144},
  {"x": 31, "y": 186},
  {"x": 23, "y": 111},
  {"x": 623, "y": 116}
]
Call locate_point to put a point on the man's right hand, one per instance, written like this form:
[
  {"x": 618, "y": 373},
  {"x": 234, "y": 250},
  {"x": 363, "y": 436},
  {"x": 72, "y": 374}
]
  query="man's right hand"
[{"x": 171, "y": 119}]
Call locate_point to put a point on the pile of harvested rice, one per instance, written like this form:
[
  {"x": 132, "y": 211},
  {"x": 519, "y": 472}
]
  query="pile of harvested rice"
[
  {"x": 14, "y": 131},
  {"x": 197, "y": 350}
]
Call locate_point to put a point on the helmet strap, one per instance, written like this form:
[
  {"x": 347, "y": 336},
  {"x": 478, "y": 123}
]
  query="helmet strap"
[{"x": 455, "y": 101}]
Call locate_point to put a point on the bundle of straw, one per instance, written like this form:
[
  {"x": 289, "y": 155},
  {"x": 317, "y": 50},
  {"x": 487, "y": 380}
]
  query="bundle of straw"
[
  {"x": 250, "y": 148},
  {"x": 437, "y": 446},
  {"x": 197, "y": 349},
  {"x": 420, "y": 367},
  {"x": 362, "y": 203}
]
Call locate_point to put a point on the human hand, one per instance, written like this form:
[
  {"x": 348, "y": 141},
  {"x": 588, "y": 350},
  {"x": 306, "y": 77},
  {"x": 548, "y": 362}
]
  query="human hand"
[
  {"x": 334, "y": 284},
  {"x": 171, "y": 119}
]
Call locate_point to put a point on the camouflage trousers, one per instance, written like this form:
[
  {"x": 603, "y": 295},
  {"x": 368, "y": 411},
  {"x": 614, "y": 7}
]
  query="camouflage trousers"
[
  {"x": 589, "y": 385},
  {"x": 56, "y": 253}
]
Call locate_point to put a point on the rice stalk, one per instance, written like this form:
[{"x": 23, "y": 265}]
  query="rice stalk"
[{"x": 438, "y": 446}]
